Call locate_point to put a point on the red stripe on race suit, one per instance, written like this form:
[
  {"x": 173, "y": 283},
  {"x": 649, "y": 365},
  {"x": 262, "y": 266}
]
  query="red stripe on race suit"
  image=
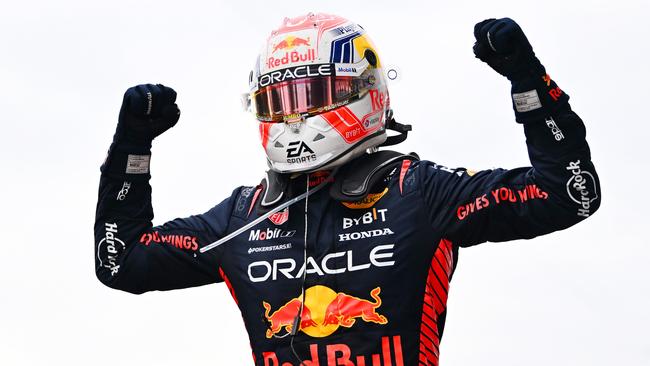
[
  {"x": 443, "y": 261},
  {"x": 428, "y": 349},
  {"x": 440, "y": 286},
  {"x": 229, "y": 285},
  {"x": 405, "y": 167},
  {"x": 447, "y": 253},
  {"x": 435, "y": 302},
  {"x": 255, "y": 195},
  {"x": 386, "y": 351},
  {"x": 446, "y": 249},
  {"x": 397, "y": 345}
]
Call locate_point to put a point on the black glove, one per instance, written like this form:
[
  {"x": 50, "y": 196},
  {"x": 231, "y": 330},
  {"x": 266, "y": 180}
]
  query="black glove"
[
  {"x": 503, "y": 45},
  {"x": 147, "y": 111}
]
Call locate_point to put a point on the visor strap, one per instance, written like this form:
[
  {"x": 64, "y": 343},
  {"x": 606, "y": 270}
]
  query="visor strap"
[{"x": 402, "y": 129}]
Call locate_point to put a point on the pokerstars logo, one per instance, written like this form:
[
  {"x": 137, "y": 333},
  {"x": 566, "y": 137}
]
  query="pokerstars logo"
[{"x": 268, "y": 234}]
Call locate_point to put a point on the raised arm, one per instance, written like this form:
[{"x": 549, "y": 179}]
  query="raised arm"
[
  {"x": 559, "y": 190},
  {"x": 131, "y": 254}
]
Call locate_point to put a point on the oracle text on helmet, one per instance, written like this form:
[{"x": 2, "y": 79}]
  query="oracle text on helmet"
[
  {"x": 293, "y": 73},
  {"x": 261, "y": 271}
]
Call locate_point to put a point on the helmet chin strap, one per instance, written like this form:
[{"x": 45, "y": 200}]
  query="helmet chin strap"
[{"x": 402, "y": 129}]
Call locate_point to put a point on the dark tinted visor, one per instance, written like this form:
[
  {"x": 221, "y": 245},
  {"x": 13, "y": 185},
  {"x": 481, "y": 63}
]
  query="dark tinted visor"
[{"x": 292, "y": 99}]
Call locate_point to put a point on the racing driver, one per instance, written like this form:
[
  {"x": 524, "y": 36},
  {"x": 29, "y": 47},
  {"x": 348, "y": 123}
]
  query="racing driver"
[{"x": 343, "y": 254}]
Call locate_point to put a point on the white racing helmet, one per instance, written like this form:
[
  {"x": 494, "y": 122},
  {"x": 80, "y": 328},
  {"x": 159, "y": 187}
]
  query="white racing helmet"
[{"x": 319, "y": 93}]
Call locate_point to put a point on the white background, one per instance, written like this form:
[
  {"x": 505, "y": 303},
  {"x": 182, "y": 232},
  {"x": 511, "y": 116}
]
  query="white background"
[{"x": 577, "y": 297}]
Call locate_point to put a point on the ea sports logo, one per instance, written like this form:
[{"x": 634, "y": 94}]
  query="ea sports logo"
[{"x": 297, "y": 148}]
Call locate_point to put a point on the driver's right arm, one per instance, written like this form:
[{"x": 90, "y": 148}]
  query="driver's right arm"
[{"x": 130, "y": 253}]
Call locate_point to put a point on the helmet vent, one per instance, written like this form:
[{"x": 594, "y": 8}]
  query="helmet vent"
[
  {"x": 278, "y": 144},
  {"x": 318, "y": 137},
  {"x": 371, "y": 57}
]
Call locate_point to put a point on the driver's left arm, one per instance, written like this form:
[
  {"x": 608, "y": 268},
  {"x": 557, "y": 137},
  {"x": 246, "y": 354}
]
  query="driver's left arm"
[{"x": 559, "y": 190}]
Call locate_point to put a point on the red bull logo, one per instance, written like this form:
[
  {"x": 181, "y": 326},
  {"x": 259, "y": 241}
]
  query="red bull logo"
[
  {"x": 291, "y": 42},
  {"x": 290, "y": 55},
  {"x": 324, "y": 311},
  {"x": 283, "y": 317},
  {"x": 342, "y": 354}
]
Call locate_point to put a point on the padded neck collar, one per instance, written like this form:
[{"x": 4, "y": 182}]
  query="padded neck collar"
[{"x": 353, "y": 181}]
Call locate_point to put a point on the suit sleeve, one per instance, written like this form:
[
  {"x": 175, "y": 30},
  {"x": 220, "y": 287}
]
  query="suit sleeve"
[
  {"x": 133, "y": 255},
  {"x": 560, "y": 189}
]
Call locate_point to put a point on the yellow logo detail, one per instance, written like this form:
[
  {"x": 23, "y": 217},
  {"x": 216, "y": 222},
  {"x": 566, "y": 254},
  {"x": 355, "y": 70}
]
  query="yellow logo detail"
[
  {"x": 324, "y": 312},
  {"x": 361, "y": 44},
  {"x": 365, "y": 202}
]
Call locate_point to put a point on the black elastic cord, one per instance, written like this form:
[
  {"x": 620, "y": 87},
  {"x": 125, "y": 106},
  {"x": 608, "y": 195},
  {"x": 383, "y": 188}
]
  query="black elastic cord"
[
  {"x": 298, "y": 319},
  {"x": 393, "y": 125}
]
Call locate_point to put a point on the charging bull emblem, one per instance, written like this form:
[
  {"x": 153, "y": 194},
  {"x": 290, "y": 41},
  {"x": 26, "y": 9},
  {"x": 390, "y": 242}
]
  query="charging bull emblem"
[
  {"x": 291, "y": 42},
  {"x": 324, "y": 312},
  {"x": 285, "y": 316}
]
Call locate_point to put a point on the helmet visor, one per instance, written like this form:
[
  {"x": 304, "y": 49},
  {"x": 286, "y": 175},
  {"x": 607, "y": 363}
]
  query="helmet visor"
[{"x": 294, "y": 99}]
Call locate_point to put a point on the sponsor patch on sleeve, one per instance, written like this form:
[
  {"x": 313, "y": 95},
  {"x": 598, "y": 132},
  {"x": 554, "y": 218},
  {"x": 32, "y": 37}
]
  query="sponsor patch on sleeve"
[
  {"x": 137, "y": 164},
  {"x": 527, "y": 101}
]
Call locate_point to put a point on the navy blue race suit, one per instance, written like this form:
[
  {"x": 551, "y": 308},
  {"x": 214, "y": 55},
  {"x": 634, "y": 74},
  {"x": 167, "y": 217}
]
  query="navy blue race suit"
[{"x": 378, "y": 270}]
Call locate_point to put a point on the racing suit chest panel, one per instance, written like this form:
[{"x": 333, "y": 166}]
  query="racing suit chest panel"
[{"x": 365, "y": 274}]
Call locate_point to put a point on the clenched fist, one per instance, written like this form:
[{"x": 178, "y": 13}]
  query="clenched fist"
[
  {"x": 503, "y": 45},
  {"x": 147, "y": 111}
]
